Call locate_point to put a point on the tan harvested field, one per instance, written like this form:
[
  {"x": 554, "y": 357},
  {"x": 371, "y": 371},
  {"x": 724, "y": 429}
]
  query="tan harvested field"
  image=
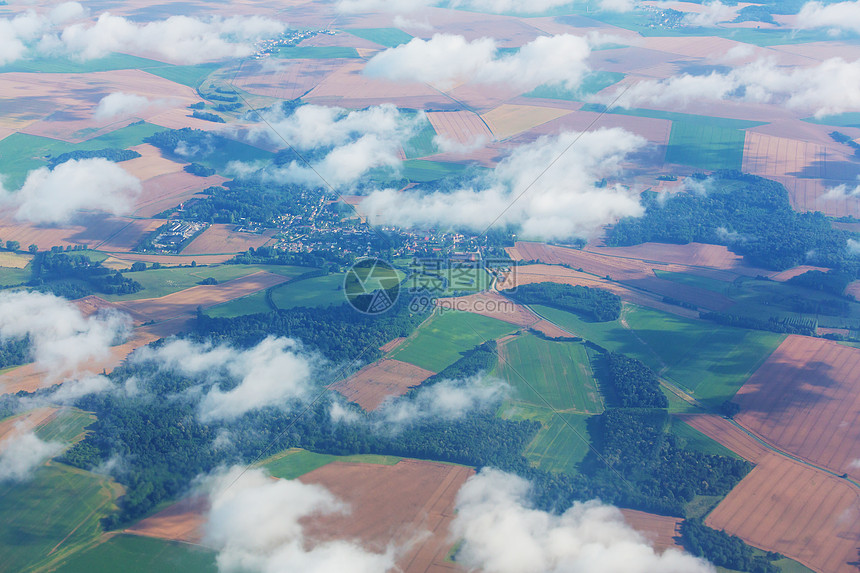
[
  {"x": 529, "y": 274},
  {"x": 706, "y": 47},
  {"x": 821, "y": 51},
  {"x": 508, "y": 120},
  {"x": 220, "y": 238},
  {"x": 370, "y": 386},
  {"x": 125, "y": 239},
  {"x": 185, "y": 303},
  {"x": 29, "y": 420},
  {"x": 490, "y": 304},
  {"x": 182, "y": 521},
  {"x": 463, "y": 127},
  {"x": 853, "y": 289},
  {"x": 801, "y": 512},
  {"x": 169, "y": 260},
  {"x": 632, "y": 273},
  {"x": 482, "y": 98},
  {"x": 150, "y": 163},
  {"x": 723, "y": 431},
  {"x": 14, "y": 260},
  {"x": 691, "y": 254},
  {"x": 796, "y": 271},
  {"x": 663, "y": 532},
  {"x": 392, "y": 344},
  {"x": 87, "y": 229},
  {"x": 90, "y": 305},
  {"x": 346, "y": 86},
  {"x": 411, "y": 501},
  {"x": 805, "y": 399},
  {"x": 284, "y": 79},
  {"x": 169, "y": 190}
]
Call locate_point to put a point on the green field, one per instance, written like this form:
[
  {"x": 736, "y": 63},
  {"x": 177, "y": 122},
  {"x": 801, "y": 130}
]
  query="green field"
[
  {"x": 420, "y": 171},
  {"x": 561, "y": 443},
  {"x": 12, "y": 277},
  {"x": 388, "y": 37},
  {"x": 39, "y": 519},
  {"x": 697, "y": 281},
  {"x": 704, "y": 145},
  {"x": 315, "y": 291},
  {"x": 438, "y": 343},
  {"x": 316, "y": 53},
  {"x": 849, "y": 119},
  {"x": 251, "y": 304},
  {"x": 421, "y": 144},
  {"x": 724, "y": 122},
  {"x": 546, "y": 373},
  {"x": 21, "y": 153},
  {"x": 191, "y": 76},
  {"x": 590, "y": 85},
  {"x": 295, "y": 463},
  {"x": 68, "y": 66},
  {"x": 709, "y": 361},
  {"x": 136, "y": 554},
  {"x": 67, "y": 427},
  {"x": 161, "y": 282},
  {"x": 693, "y": 439}
]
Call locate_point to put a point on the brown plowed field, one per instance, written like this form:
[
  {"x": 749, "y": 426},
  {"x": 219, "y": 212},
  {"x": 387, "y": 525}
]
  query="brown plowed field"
[
  {"x": 370, "y": 386},
  {"x": 399, "y": 503},
  {"x": 220, "y": 238},
  {"x": 86, "y": 229},
  {"x": 490, "y": 304},
  {"x": 184, "y": 303},
  {"x": 169, "y": 190},
  {"x": 551, "y": 273},
  {"x": 801, "y": 512},
  {"x": 726, "y": 433},
  {"x": 853, "y": 289},
  {"x": 392, "y": 344},
  {"x": 182, "y": 521},
  {"x": 691, "y": 254},
  {"x": 30, "y": 420},
  {"x": 805, "y": 399},
  {"x": 631, "y": 272},
  {"x": 796, "y": 271},
  {"x": 660, "y": 530},
  {"x": 464, "y": 127},
  {"x": 129, "y": 236}
]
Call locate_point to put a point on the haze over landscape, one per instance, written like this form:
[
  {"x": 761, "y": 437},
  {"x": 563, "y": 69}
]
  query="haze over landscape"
[{"x": 430, "y": 286}]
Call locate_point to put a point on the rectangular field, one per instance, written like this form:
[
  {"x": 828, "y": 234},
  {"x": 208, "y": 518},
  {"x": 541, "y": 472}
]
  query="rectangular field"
[
  {"x": 136, "y": 554},
  {"x": 704, "y": 145},
  {"x": 315, "y": 291},
  {"x": 439, "y": 342},
  {"x": 219, "y": 238},
  {"x": 805, "y": 400},
  {"x": 803, "y": 513},
  {"x": 561, "y": 444},
  {"x": 373, "y": 384},
  {"x": 546, "y": 373},
  {"x": 295, "y": 463}
]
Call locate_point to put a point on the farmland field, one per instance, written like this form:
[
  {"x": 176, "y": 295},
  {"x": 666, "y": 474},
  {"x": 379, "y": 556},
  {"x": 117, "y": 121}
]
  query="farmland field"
[
  {"x": 421, "y": 145},
  {"x": 191, "y": 76},
  {"x": 370, "y": 386},
  {"x": 712, "y": 362},
  {"x": 561, "y": 443},
  {"x": 70, "y": 66},
  {"x": 251, "y": 304},
  {"x": 388, "y": 37},
  {"x": 544, "y": 372},
  {"x": 421, "y": 171},
  {"x": 316, "y": 52},
  {"x": 161, "y": 282},
  {"x": 590, "y": 85},
  {"x": 296, "y": 463},
  {"x": 66, "y": 427},
  {"x": 315, "y": 291},
  {"x": 704, "y": 145},
  {"x": 41, "y": 525},
  {"x": 698, "y": 441},
  {"x": 136, "y": 554},
  {"x": 439, "y": 342}
]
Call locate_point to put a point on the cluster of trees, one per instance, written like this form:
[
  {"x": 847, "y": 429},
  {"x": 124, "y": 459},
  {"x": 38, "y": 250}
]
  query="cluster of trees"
[
  {"x": 111, "y": 154},
  {"x": 14, "y": 352},
  {"x": 482, "y": 358},
  {"x": 772, "y": 324},
  {"x": 749, "y": 214},
  {"x": 58, "y": 272},
  {"x": 246, "y": 200},
  {"x": 199, "y": 170},
  {"x": 270, "y": 256},
  {"x": 833, "y": 282},
  {"x": 206, "y": 116},
  {"x": 595, "y": 303},
  {"x": 724, "y": 550},
  {"x": 633, "y": 383}
]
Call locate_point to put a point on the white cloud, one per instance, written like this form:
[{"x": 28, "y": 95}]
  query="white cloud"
[
  {"x": 618, "y": 5},
  {"x": 562, "y": 202},
  {"x": 255, "y": 525},
  {"x": 22, "y": 452},
  {"x": 369, "y": 6},
  {"x": 410, "y": 24},
  {"x": 839, "y": 16},
  {"x": 181, "y": 39},
  {"x": 501, "y": 533},
  {"x": 62, "y": 339},
  {"x": 56, "y": 196},
  {"x": 831, "y": 87},
  {"x": 445, "y": 400},
  {"x": 853, "y": 247},
  {"x": 345, "y": 144},
  {"x": 121, "y": 104},
  {"x": 712, "y": 14},
  {"x": 447, "y": 59},
  {"x": 843, "y": 191},
  {"x": 275, "y": 372},
  {"x": 515, "y": 6},
  {"x": 446, "y": 145},
  {"x": 72, "y": 390},
  {"x": 496, "y": 6}
]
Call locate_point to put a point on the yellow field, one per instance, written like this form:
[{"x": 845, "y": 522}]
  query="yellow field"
[
  {"x": 508, "y": 120},
  {"x": 14, "y": 260}
]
